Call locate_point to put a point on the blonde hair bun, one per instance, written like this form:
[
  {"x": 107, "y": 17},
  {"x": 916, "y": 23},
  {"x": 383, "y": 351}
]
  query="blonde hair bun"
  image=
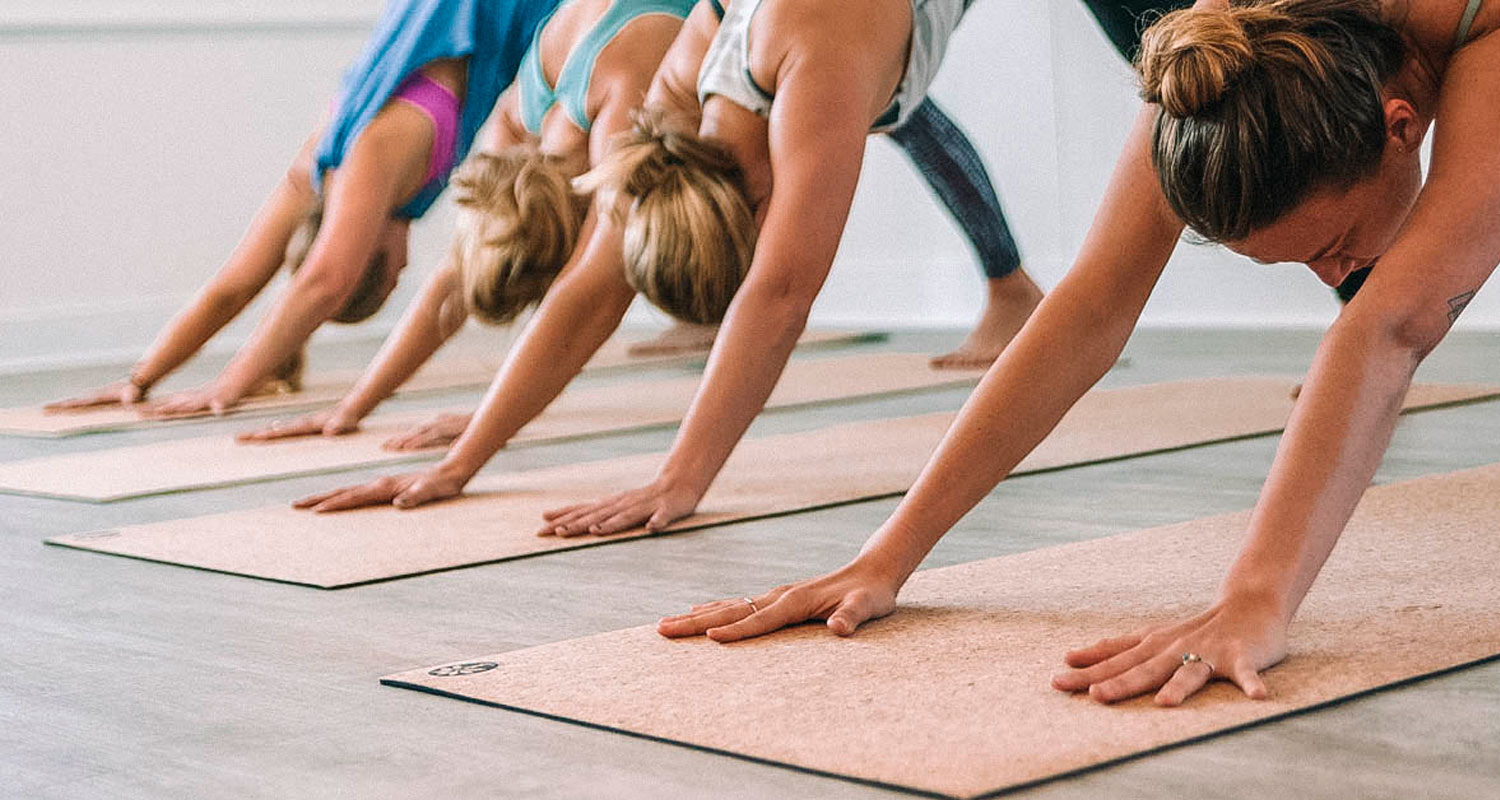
[
  {"x": 1190, "y": 58},
  {"x": 519, "y": 222},
  {"x": 689, "y": 229}
]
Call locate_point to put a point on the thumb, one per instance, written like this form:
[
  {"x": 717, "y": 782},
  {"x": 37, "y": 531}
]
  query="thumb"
[
  {"x": 1248, "y": 679},
  {"x": 419, "y": 493},
  {"x": 854, "y": 610},
  {"x": 660, "y": 519}
]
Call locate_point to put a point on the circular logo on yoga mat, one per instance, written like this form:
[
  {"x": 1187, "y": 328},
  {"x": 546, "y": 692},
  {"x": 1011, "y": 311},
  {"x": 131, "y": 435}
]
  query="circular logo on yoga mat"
[{"x": 467, "y": 668}]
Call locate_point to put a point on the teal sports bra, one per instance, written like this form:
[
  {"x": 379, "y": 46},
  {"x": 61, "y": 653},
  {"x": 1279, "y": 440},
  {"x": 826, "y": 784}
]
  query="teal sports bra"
[
  {"x": 1467, "y": 23},
  {"x": 572, "y": 89}
]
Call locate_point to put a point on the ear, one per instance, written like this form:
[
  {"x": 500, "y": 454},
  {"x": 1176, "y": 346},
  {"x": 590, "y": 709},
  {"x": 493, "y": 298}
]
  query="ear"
[{"x": 1403, "y": 126}]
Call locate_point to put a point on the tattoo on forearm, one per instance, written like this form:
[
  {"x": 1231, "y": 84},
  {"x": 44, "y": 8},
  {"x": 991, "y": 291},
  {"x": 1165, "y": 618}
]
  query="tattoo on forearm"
[{"x": 1457, "y": 304}]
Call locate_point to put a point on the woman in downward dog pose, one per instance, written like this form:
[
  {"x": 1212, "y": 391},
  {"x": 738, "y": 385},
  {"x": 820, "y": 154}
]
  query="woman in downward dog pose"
[
  {"x": 937, "y": 146},
  {"x": 406, "y": 113},
  {"x": 520, "y": 221},
  {"x": 1288, "y": 131},
  {"x": 726, "y": 203}
]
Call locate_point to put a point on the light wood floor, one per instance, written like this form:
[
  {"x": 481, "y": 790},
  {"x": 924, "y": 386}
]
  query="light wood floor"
[{"x": 124, "y": 679}]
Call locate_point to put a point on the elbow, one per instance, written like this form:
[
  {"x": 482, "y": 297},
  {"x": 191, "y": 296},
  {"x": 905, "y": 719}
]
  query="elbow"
[
  {"x": 1410, "y": 330},
  {"x": 783, "y": 301},
  {"x": 323, "y": 290},
  {"x": 1417, "y": 335}
]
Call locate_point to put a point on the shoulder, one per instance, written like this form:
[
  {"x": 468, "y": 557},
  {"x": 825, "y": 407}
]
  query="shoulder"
[
  {"x": 804, "y": 33},
  {"x": 634, "y": 54}
]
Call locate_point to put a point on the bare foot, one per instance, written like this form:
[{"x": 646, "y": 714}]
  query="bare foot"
[
  {"x": 682, "y": 337},
  {"x": 1009, "y": 304}
]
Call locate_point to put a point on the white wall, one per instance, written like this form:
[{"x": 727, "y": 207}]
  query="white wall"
[{"x": 140, "y": 135}]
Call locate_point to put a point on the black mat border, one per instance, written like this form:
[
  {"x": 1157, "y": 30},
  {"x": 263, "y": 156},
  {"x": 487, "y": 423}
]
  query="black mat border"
[
  {"x": 598, "y": 541},
  {"x": 1000, "y": 792}
]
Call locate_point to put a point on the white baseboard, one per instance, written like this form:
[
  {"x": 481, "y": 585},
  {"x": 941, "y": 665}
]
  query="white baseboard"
[{"x": 118, "y": 332}]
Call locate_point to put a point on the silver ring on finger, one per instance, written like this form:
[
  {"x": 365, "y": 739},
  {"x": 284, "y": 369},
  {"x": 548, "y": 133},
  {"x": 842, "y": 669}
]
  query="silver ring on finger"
[
  {"x": 1194, "y": 658},
  {"x": 754, "y": 609}
]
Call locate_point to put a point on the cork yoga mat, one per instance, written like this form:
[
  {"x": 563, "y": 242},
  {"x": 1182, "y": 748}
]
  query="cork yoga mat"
[
  {"x": 201, "y": 462},
  {"x": 448, "y": 374},
  {"x": 950, "y": 695},
  {"x": 765, "y": 477}
]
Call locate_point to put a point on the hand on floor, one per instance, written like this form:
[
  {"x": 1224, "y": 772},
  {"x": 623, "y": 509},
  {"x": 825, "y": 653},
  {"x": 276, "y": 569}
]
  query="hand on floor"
[
  {"x": 402, "y": 491},
  {"x": 191, "y": 402},
  {"x": 845, "y": 598},
  {"x": 655, "y": 506},
  {"x": 441, "y": 431},
  {"x": 1232, "y": 641},
  {"x": 323, "y": 423},
  {"x": 119, "y": 393}
]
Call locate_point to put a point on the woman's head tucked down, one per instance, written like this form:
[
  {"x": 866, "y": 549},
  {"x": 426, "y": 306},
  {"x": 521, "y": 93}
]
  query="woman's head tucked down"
[
  {"x": 519, "y": 221},
  {"x": 689, "y": 229},
  {"x": 1265, "y": 105}
]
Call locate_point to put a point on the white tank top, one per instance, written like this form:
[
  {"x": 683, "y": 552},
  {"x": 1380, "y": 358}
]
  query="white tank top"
[{"x": 726, "y": 66}]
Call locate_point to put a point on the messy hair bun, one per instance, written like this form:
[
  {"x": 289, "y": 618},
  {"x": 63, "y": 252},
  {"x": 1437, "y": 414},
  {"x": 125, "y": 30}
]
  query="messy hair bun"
[
  {"x": 519, "y": 222},
  {"x": 1261, "y": 103},
  {"x": 1188, "y": 60},
  {"x": 689, "y": 229}
]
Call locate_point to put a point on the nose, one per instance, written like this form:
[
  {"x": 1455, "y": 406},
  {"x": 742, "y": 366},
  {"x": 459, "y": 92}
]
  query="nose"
[{"x": 1334, "y": 269}]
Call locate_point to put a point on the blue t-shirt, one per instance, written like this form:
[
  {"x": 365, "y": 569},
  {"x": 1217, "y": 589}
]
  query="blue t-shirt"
[{"x": 493, "y": 34}]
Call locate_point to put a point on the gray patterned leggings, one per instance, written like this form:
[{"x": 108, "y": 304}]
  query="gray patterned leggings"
[{"x": 954, "y": 170}]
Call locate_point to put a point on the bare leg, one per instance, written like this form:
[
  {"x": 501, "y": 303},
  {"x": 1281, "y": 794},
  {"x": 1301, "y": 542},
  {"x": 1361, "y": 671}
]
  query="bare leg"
[
  {"x": 682, "y": 337},
  {"x": 1008, "y": 304}
]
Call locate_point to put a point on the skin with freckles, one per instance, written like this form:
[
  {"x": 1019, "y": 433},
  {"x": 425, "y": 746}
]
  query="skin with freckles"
[{"x": 1434, "y": 245}]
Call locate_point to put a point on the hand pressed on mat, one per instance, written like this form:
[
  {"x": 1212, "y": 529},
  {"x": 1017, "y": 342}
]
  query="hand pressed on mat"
[
  {"x": 119, "y": 393},
  {"x": 1234, "y": 640},
  {"x": 402, "y": 491},
  {"x": 189, "y": 402},
  {"x": 322, "y": 423},
  {"x": 443, "y": 430},
  {"x": 845, "y": 598},
  {"x": 654, "y": 506}
]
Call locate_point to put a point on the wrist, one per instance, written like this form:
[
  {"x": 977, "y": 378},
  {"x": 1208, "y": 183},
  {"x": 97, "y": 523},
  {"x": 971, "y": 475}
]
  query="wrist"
[
  {"x": 141, "y": 379},
  {"x": 878, "y": 565},
  {"x": 343, "y": 416},
  {"x": 455, "y": 469},
  {"x": 685, "y": 479},
  {"x": 1259, "y": 594},
  {"x": 229, "y": 387}
]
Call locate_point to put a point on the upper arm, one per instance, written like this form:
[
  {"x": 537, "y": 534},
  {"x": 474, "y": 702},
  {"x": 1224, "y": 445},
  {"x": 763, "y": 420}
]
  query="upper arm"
[
  {"x": 1130, "y": 240},
  {"x": 817, "y": 133},
  {"x": 359, "y": 199},
  {"x": 595, "y": 274},
  {"x": 674, "y": 88},
  {"x": 262, "y": 251},
  {"x": 1451, "y": 242}
]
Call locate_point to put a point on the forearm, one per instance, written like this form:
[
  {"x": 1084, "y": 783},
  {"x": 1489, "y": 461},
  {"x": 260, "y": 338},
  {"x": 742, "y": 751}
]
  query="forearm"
[
  {"x": 186, "y": 334},
  {"x": 1057, "y": 357},
  {"x": 1343, "y": 422},
  {"x": 249, "y": 268},
  {"x": 432, "y": 319},
  {"x": 753, "y": 346},
  {"x": 566, "y": 331},
  {"x": 1070, "y": 342},
  {"x": 299, "y": 312}
]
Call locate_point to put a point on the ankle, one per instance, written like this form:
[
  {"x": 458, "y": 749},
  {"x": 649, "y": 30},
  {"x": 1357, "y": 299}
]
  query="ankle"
[{"x": 1017, "y": 287}]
